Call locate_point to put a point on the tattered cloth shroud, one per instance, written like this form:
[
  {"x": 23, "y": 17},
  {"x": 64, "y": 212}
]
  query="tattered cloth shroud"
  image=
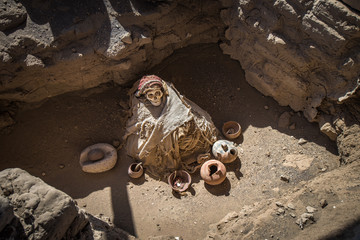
[{"x": 170, "y": 136}]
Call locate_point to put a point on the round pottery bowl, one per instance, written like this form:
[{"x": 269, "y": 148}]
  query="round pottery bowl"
[
  {"x": 179, "y": 180},
  {"x": 98, "y": 158},
  {"x": 231, "y": 129},
  {"x": 213, "y": 172},
  {"x": 135, "y": 170}
]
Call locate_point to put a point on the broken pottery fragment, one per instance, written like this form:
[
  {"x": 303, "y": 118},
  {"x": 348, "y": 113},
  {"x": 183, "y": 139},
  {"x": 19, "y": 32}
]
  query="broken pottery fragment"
[{"x": 225, "y": 151}]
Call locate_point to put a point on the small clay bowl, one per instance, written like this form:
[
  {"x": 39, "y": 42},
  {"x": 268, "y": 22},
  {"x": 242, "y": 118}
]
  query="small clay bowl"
[
  {"x": 179, "y": 180},
  {"x": 231, "y": 129},
  {"x": 135, "y": 170}
]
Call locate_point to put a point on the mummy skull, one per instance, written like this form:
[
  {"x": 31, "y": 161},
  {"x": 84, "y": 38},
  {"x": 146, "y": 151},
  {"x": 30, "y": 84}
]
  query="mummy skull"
[{"x": 154, "y": 95}]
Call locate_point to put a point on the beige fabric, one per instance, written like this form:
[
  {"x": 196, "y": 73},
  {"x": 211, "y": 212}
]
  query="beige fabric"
[{"x": 169, "y": 136}]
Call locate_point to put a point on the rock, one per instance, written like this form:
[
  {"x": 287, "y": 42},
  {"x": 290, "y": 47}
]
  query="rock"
[
  {"x": 32, "y": 61},
  {"x": 310, "y": 209},
  {"x": 329, "y": 131},
  {"x": 6, "y": 213},
  {"x": 292, "y": 126},
  {"x": 323, "y": 203},
  {"x": 284, "y": 178},
  {"x": 251, "y": 26},
  {"x": 11, "y": 15},
  {"x": 279, "y": 204},
  {"x": 292, "y": 215},
  {"x": 284, "y": 120},
  {"x": 161, "y": 27},
  {"x": 43, "y": 211},
  {"x": 303, "y": 219},
  {"x": 280, "y": 211},
  {"x": 306, "y": 216},
  {"x": 302, "y": 141},
  {"x": 291, "y": 206},
  {"x": 6, "y": 120}
]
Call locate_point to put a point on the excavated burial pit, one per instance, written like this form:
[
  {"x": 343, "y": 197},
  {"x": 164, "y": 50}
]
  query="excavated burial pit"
[{"x": 53, "y": 135}]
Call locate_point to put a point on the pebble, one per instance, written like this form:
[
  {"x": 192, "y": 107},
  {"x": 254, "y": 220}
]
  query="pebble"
[
  {"x": 292, "y": 126},
  {"x": 280, "y": 211},
  {"x": 323, "y": 203},
  {"x": 279, "y": 204},
  {"x": 43, "y": 173},
  {"x": 302, "y": 141},
  {"x": 306, "y": 216},
  {"x": 292, "y": 215},
  {"x": 284, "y": 178},
  {"x": 266, "y": 107},
  {"x": 310, "y": 209},
  {"x": 291, "y": 206},
  {"x": 61, "y": 166}
]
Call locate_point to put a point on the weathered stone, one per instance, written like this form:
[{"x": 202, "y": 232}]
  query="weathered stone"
[
  {"x": 284, "y": 120},
  {"x": 111, "y": 43},
  {"x": 43, "y": 211},
  {"x": 6, "y": 213},
  {"x": 302, "y": 141},
  {"x": 310, "y": 209},
  {"x": 323, "y": 203},
  {"x": 329, "y": 131},
  {"x": 32, "y": 61},
  {"x": 12, "y": 14},
  {"x": 291, "y": 206},
  {"x": 312, "y": 36}
]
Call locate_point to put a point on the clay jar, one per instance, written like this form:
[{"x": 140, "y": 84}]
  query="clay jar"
[
  {"x": 213, "y": 172},
  {"x": 135, "y": 170},
  {"x": 225, "y": 151},
  {"x": 231, "y": 129}
]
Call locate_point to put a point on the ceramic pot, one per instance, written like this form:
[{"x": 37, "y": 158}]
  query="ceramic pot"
[
  {"x": 213, "y": 172},
  {"x": 179, "y": 180},
  {"x": 225, "y": 151},
  {"x": 135, "y": 170},
  {"x": 98, "y": 158},
  {"x": 231, "y": 129}
]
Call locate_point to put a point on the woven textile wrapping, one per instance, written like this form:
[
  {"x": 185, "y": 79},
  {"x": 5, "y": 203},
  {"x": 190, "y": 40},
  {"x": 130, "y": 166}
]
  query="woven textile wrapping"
[{"x": 170, "y": 136}]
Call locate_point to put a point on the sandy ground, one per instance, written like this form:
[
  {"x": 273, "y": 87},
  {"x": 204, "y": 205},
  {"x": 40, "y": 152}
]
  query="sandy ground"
[{"x": 48, "y": 138}]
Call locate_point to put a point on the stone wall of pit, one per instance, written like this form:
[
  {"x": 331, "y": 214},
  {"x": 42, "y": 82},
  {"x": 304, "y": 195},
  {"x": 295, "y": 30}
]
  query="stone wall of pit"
[
  {"x": 305, "y": 54},
  {"x": 52, "y": 47}
]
